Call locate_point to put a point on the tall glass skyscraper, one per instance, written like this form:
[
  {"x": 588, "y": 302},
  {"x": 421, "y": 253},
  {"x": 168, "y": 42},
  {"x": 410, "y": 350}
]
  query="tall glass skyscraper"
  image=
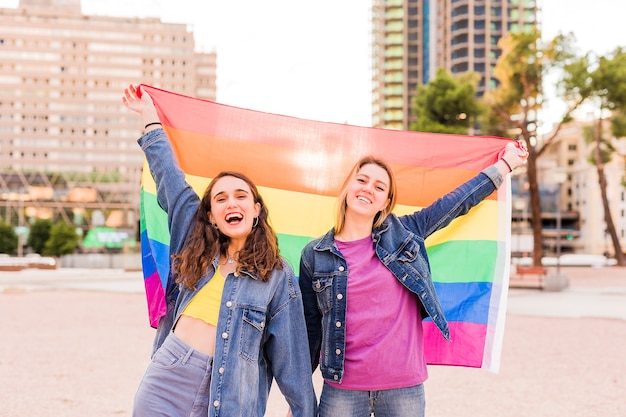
[{"x": 413, "y": 38}]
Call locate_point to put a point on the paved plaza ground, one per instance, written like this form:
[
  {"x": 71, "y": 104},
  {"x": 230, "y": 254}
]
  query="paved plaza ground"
[{"x": 75, "y": 343}]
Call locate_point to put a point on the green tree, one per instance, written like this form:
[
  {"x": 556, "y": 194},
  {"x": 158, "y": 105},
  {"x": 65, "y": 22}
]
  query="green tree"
[
  {"x": 8, "y": 239},
  {"x": 447, "y": 104},
  {"x": 63, "y": 240},
  {"x": 39, "y": 234},
  {"x": 601, "y": 82},
  {"x": 521, "y": 69}
]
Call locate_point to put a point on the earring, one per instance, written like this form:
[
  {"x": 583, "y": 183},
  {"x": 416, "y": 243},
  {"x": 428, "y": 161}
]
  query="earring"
[
  {"x": 255, "y": 222},
  {"x": 215, "y": 226}
]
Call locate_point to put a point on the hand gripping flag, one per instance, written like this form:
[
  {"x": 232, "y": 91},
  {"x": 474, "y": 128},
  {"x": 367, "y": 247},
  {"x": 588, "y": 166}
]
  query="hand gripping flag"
[{"x": 299, "y": 166}]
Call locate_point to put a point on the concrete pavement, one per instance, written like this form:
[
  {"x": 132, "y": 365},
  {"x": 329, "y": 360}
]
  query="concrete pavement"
[
  {"x": 593, "y": 292},
  {"x": 33, "y": 279},
  {"x": 62, "y": 339}
]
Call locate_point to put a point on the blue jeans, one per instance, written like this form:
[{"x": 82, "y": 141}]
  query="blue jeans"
[
  {"x": 176, "y": 383},
  {"x": 399, "y": 402}
]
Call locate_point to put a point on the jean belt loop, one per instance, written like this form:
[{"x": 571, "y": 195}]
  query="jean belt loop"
[{"x": 187, "y": 356}]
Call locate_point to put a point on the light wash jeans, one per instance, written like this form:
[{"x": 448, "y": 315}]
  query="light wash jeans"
[
  {"x": 177, "y": 382},
  {"x": 399, "y": 402}
]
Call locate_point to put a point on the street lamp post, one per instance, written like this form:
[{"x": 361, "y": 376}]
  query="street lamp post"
[
  {"x": 558, "y": 228},
  {"x": 20, "y": 235}
]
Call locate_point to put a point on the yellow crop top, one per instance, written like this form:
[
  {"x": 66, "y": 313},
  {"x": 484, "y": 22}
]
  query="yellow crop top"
[{"x": 205, "y": 305}]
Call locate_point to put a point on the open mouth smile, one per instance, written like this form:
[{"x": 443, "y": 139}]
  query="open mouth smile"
[
  {"x": 364, "y": 199},
  {"x": 233, "y": 218}
]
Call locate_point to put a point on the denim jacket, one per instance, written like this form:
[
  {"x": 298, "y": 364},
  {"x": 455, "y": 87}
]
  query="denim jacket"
[
  {"x": 399, "y": 244},
  {"x": 261, "y": 332}
]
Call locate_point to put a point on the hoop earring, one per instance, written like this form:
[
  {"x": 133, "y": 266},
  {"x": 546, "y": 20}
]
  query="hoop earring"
[
  {"x": 255, "y": 222},
  {"x": 215, "y": 226}
]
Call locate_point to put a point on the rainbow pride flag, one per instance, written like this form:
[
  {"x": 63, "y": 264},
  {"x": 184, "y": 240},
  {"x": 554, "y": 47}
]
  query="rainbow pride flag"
[{"x": 299, "y": 166}]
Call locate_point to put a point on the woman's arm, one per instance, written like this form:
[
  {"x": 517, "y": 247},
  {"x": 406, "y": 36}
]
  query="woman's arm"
[
  {"x": 174, "y": 194},
  {"x": 287, "y": 350},
  {"x": 312, "y": 315},
  {"x": 459, "y": 201}
]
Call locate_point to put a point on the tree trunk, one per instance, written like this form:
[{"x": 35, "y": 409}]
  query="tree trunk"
[
  {"x": 535, "y": 205},
  {"x": 608, "y": 218}
]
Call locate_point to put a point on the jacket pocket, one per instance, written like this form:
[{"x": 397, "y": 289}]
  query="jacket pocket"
[
  {"x": 411, "y": 259},
  {"x": 409, "y": 252},
  {"x": 323, "y": 287},
  {"x": 251, "y": 334}
]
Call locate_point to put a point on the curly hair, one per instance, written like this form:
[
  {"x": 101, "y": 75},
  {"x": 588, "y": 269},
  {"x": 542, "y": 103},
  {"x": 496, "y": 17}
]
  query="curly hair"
[{"x": 260, "y": 254}]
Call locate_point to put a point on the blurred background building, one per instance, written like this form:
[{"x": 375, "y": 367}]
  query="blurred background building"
[
  {"x": 413, "y": 38},
  {"x": 574, "y": 198},
  {"x": 68, "y": 147}
]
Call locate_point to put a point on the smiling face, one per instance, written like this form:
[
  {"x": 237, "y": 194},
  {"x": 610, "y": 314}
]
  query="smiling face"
[
  {"x": 368, "y": 191},
  {"x": 233, "y": 207}
]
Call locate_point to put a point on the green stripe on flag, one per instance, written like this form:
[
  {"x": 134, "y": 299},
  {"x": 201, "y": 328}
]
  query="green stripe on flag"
[
  {"x": 463, "y": 261},
  {"x": 154, "y": 218},
  {"x": 291, "y": 247}
]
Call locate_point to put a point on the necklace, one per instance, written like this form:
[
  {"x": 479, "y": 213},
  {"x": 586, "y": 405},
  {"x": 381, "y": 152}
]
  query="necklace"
[{"x": 229, "y": 260}]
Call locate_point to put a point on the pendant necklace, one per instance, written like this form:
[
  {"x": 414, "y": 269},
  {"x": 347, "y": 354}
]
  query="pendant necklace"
[{"x": 230, "y": 261}]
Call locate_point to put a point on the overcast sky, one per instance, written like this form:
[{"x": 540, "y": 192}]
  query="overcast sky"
[{"x": 313, "y": 59}]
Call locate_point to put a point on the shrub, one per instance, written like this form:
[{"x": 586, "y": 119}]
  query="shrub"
[
  {"x": 39, "y": 235},
  {"x": 8, "y": 239},
  {"x": 63, "y": 240}
]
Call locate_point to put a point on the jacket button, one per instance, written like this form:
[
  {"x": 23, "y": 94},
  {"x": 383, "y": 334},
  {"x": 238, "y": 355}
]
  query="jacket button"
[
  {"x": 338, "y": 324},
  {"x": 341, "y": 268},
  {"x": 221, "y": 370},
  {"x": 229, "y": 304},
  {"x": 216, "y": 403},
  {"x": 338, "y": 351},
  {"x": 335, "y": 377},
  {"x": 224, "y": 335},
  {"x": 339, "y": 296}
]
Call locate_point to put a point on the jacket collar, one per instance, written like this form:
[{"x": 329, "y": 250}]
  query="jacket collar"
[{"x": 326, "y": 242}]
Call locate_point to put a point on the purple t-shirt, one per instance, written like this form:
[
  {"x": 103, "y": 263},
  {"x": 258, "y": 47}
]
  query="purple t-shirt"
[{"x": 384, "y": 335}]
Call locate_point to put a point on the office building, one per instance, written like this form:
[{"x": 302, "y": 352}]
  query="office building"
[
  {"x": 413, "y": 38},
  {"x": 580, "y": 200},
  {"x": 68, "y": 146}
]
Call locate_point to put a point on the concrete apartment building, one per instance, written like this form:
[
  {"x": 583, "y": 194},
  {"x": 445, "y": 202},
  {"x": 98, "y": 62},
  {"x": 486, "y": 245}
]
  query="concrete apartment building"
[
  {"x": 67, "y": 144},
  {"x": 580, "y": 198},
  {"x": 413, "y": 38}
]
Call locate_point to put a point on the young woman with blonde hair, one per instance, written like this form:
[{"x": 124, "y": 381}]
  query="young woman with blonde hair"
[{"x": 367, "y": 285}]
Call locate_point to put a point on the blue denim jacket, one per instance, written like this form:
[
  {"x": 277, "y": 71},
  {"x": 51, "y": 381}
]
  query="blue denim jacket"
[
  {"x": 399, "y": 244},
  {"x": 261, "y": 332}
]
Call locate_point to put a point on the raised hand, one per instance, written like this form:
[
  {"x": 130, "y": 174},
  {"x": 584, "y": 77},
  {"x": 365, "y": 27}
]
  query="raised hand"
[{"x": 137, "y": 100}]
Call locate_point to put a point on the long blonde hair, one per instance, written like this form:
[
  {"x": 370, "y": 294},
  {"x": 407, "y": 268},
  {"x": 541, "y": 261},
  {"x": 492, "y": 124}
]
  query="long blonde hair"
[{"x": 342, "y": 205}]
